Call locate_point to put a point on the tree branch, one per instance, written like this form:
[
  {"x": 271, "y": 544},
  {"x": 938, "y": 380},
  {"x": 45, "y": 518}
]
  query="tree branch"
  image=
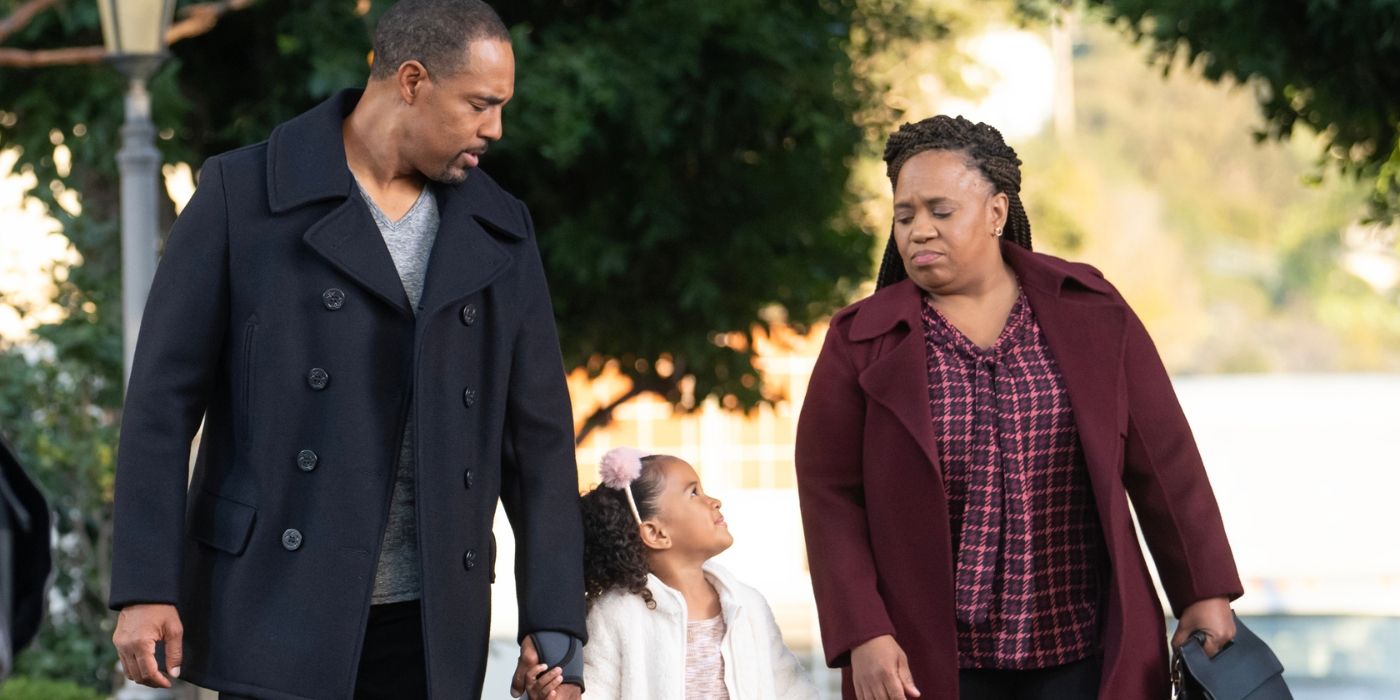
[
  {"x": 198, "y": 19},
  {"x": 21, "y": 58},
  {"x": 602, "y": 417},
  {"x": 22, "y": 16}
]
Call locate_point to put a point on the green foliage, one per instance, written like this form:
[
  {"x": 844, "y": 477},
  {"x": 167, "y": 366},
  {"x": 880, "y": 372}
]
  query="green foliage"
[
  {"x": 1331, "y": 66},
  {"x": 27, "y": 688},
  {"x": 687, "y": 164},
  {"x": 52, "y": 410}
]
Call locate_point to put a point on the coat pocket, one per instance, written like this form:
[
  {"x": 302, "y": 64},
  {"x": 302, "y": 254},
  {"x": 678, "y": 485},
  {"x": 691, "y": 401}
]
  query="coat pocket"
[
  {"x": 222, "y": 524},
  {"x": 245, "y": 395}
]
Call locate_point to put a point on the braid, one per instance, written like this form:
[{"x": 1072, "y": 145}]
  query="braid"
[
  {"x": 891, "y": 266},
  {"x": 984, "y": 148}
]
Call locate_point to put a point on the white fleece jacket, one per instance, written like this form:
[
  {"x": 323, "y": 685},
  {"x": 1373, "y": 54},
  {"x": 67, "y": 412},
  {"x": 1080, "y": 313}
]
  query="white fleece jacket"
[{"x": 634, "y": 652}]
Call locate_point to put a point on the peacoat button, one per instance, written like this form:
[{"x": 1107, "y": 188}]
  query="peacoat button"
[
  {"x": 291, "y": 539},
  {"x": 469, "y": 314},
  {"x": 469, "y": 397},
  {"x": 468, "y": 478},
  {"x": 469, "y": 560},
  {"x": 306, "y": 460},
  {"x": 333, "y": 298},
  {"x": 318, "y": 378}
]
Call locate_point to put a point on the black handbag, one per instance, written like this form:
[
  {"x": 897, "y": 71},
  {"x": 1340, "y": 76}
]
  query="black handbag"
[{"x": 1246, "y": 669}]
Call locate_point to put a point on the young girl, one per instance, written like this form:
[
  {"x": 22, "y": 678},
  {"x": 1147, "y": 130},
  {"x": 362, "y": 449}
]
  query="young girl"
[{"x": 665, "y": 622}]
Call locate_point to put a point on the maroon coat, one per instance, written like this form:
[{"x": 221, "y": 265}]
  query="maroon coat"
[{"x": 873, "y": 502}]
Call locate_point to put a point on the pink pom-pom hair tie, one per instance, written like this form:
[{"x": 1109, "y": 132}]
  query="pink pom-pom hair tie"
[{"x": 618, "y": 469}]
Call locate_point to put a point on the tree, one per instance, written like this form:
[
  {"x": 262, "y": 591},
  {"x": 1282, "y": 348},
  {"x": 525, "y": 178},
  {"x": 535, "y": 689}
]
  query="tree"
[
  {"x": 690, "y": 174},
  {"x": 686, "y": 163},
  {"x": 1331, "y": 66}
]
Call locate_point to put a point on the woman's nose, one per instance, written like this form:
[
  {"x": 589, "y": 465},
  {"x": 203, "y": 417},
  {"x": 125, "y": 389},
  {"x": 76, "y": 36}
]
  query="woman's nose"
[{"x": 924, "y": 232}]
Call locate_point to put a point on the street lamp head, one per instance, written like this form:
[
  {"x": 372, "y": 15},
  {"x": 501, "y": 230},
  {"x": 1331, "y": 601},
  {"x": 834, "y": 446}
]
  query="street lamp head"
[{"x": 134, "y": 31}]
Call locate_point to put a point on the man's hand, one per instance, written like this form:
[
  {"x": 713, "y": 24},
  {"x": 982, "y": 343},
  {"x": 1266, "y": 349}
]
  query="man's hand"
[
  {"x": 538, "y": 680},
  {"x": 880, "y": 671},
  {"x": 139, "y": 627},
  {"x": 1211, "y": 616}
]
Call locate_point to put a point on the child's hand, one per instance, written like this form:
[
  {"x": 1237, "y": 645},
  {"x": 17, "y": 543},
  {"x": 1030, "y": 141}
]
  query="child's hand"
[{"x": 541, "y": 683}]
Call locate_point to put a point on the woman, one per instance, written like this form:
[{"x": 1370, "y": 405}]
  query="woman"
[{"x": 971, "y": 437}]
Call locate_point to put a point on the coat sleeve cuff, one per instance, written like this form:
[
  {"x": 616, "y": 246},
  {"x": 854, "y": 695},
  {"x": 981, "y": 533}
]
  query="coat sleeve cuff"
[
  {"x": 1230, "y": 592},
  {"x": 561, "y": 650},
  {"x": 839, "y": 655},
  {"x": 116, "y": 604}
]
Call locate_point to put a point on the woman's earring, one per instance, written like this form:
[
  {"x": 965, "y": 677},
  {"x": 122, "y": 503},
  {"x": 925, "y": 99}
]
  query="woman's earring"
[{"x": 998, "y": 232}]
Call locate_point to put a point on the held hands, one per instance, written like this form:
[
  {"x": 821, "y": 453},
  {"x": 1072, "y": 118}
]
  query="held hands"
[
  {"x": 1211, "y": 616},
  {"x": 139, "y": 627},
  {"x": 880, "y": 671},
  {"x": 537, "y": 680}
]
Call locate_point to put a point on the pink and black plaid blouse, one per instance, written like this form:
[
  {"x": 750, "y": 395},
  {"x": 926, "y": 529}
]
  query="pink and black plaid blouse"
[{"x": 1026, "y": 537}]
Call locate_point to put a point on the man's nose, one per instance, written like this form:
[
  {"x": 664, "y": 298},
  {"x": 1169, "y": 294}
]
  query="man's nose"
[{"x": 493, "y": 128}]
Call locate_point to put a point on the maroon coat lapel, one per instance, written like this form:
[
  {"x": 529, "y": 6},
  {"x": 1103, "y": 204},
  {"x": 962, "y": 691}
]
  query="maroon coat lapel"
[
  {"x": 1084, "y": 326},
  {"x": 892, "y": 377}
]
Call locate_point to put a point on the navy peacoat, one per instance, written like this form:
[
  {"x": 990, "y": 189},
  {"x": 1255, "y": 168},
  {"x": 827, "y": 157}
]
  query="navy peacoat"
[
  {"x": 278, "y": 318},
  {"x": 875, "y": 511}
]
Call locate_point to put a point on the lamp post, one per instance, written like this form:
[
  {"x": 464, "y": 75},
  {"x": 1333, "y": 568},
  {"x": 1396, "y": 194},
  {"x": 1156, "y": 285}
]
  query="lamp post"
[{"x": 134, "y": 32}]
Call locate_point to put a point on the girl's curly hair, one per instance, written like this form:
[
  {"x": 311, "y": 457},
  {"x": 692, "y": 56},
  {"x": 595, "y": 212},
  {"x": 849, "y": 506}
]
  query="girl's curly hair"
[{"x": 613, "y": 554}]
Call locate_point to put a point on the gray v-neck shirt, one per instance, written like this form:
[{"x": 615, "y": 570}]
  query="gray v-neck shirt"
[{"x": 410, "y": 243}]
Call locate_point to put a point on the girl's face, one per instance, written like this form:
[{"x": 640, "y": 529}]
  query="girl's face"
[
  {"x": 945, "y": 219},
  {"x": 687, "y": 521}
]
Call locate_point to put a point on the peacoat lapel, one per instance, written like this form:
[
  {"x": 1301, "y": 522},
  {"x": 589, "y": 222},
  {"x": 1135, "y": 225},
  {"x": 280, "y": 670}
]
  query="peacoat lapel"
[
  {"x": 466, "y": 256},
  {"x": 349, "y": 239},
  {"x": 306, "y": 164}
]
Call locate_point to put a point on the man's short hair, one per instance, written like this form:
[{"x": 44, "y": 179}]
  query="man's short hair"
[{"x": 435, "y": 33}]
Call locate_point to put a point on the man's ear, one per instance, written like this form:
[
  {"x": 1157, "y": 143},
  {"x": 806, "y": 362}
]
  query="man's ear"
[
  {"x": 654, "y": 536},
  {"x": 410, "y": 78}
]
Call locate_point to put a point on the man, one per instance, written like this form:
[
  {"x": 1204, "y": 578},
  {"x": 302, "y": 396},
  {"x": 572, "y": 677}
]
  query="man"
[{"x": 362, "y": 319}]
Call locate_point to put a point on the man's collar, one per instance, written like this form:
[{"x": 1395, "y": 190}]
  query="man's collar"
[{"x": 306, "y": 155}]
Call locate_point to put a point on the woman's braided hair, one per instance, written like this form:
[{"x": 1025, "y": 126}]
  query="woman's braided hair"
[
  {"x": 985, "y": 150},
  {"x": 614, "y": 557}
]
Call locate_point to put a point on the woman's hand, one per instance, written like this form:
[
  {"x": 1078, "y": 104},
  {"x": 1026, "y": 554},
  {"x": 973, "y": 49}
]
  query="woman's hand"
[
  {"x": 1211, "y": 616},
  {"x": 880, "y": 671}
]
